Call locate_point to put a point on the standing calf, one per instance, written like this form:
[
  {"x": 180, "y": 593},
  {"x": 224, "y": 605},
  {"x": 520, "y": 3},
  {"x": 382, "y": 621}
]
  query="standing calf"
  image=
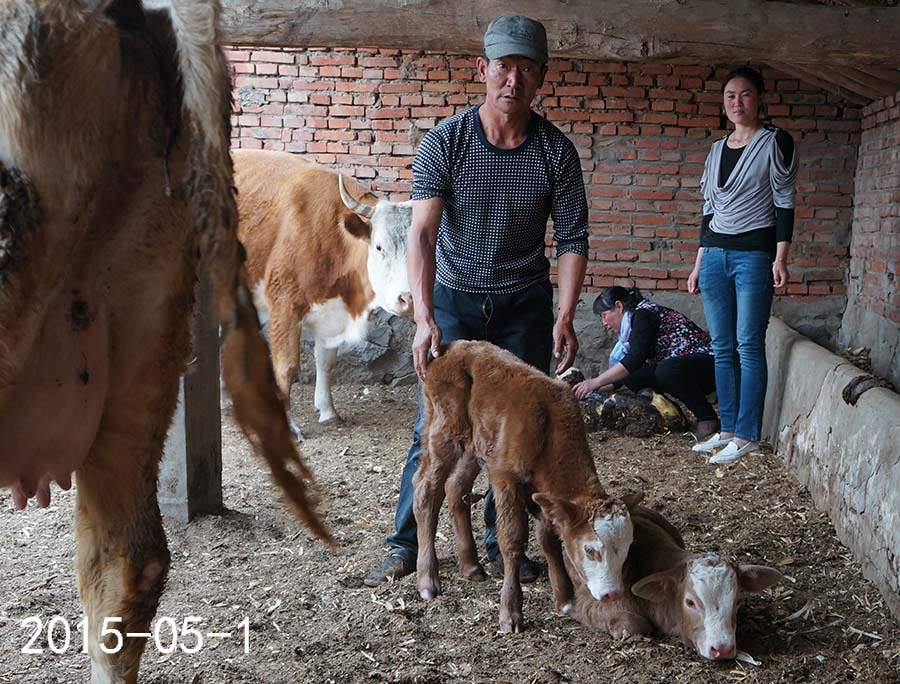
[
  {"x": 484, "y": 407},
  {"x": 695, "y": 597}
]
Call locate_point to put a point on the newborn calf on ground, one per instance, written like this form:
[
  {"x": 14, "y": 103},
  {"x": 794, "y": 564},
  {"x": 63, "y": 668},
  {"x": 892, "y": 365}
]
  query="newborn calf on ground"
[
  {"x": 486, "y": 408},
  {"x": 695, "y": 597}
]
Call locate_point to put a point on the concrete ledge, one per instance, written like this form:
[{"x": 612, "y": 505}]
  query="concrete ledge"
[{"x": 848, "y": 456}]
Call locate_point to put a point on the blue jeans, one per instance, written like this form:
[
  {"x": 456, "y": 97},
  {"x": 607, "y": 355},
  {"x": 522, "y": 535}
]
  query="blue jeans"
[
  {"x": 522, "y": 323},
  {"x": 737, "y": 289}
]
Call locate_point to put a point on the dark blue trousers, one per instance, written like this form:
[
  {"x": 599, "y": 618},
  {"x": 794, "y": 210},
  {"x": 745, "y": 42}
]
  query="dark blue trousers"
[{"x": 521, "y": 323}]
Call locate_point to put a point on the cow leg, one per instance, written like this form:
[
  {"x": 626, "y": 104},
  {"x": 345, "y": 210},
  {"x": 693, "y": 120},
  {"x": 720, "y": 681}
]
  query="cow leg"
[
  {"x": 325, "y": 357},
  {"x": 428, "y": 495},
  {"x": 620, "y": 619},
  {"x": 563, "y": 592},
  {"x": 284, "y": 336},
  {"x": 459, "y": 500},
  {"x": 512, "y": 537},
  {"x": 122, "y": 559}
]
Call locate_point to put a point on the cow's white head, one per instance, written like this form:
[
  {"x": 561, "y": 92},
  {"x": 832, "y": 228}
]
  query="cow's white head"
[
  {"x": 385, "y": 229},
  {"x": 706, "y": 591},
  {"x": 596, "y": 537}
]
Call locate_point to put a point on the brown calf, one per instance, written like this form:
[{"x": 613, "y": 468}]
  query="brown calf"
[
  {"x": 695, "y": 597},
  {"x": 484, "y": 407}
]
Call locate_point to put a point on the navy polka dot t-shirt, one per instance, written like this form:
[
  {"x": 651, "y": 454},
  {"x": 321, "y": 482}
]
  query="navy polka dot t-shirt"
[{"x": 497, "y": 202}]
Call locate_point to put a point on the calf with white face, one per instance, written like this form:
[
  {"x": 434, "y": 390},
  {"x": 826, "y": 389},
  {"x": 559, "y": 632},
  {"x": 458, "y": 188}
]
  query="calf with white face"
[
  {"x": 595, "y": 539},
  {"x": 698, "y": 600}
]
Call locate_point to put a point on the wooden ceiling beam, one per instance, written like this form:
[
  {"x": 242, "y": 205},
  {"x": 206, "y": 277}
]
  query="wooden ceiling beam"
[
  {"x": 885, "y": 74},
  {"x": 816, "y": 80},
  {"x": 837, "y": 75},
  {"x": 705, "y": 31},
  {"x": 864, "y": 76}
]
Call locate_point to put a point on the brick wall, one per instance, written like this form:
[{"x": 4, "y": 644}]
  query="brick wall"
[
  {"x": 872, "y": 315},
  {"x": 875, "y": 247},
  {"x": 642, "y": 131}
]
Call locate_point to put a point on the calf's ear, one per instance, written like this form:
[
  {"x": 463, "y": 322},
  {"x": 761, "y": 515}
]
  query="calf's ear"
[
  {"x": 753, "y": 579},
  {"x": 660, "y": 586},
  {"x": 559, "y": 512}
]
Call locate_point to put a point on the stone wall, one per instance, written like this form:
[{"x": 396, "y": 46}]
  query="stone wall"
[{"x": 845, "y": 454}]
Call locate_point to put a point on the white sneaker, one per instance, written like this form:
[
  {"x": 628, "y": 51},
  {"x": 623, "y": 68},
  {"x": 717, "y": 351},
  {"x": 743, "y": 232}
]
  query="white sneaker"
[
  {"x": 732, "y": 452},
  {"x": 711, "y": 444}
]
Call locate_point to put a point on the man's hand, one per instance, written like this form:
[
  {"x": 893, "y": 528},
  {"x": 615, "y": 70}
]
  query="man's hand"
[
  {"x": 564, "y": 340},
  {"x": 428, "y": 339}
]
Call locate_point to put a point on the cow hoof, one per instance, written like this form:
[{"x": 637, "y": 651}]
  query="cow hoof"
[
  {"x": 566, "y": 609},
  {"x": 331, "y": 421},
  {"x": 427, "y": 594},
  {"x": 512, "y": 626},
  {"x": 295, "y": 429},
  {"x": 476, "y": 574}
]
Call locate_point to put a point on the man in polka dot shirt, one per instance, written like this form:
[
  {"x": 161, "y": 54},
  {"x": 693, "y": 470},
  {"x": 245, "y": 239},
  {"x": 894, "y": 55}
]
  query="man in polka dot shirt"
[{"x": 485, "y": 183}]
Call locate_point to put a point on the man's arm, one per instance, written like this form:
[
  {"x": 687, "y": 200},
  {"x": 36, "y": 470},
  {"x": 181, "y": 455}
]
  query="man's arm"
[
  {"x": 421, "y": 266},
  {"x": 570, "y": 269}
]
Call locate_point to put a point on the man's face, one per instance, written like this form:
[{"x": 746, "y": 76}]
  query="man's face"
[{"x": 512, "y": 82}]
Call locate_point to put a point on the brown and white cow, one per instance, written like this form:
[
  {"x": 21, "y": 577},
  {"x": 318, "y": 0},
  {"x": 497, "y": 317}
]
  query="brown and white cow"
[
  {"x": 695, "y": 597},
  {"x": 318, "y": 257},
  {"x": 486, "y": 408},
  {"x": 114, "y": 176}
]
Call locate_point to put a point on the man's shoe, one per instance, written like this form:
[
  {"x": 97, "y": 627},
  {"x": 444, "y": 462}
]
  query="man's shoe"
[
  {"x": 711, "y": 444},
  {"x": 732, "y": 452},
  {"x": 529, "y": 571},
  {"x": 395, "y": 566}
]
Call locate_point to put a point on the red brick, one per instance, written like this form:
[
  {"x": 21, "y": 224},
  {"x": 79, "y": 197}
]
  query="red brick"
[{"x": 272, "y": 56}]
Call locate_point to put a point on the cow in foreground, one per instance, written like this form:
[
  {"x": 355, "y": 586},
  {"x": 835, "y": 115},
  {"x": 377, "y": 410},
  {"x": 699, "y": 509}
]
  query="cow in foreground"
[
  {"x": 317, "y": 257},
  {"x": 694, "y": 597},
  {"x": 486, "y": 408},
  {"x": 115, "y": 179}
]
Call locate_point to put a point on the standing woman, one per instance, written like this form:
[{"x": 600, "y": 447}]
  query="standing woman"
[{"x": 748, "y": 221}]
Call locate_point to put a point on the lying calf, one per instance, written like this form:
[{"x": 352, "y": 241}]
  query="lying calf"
[
  {"x": 486, "y": 408},
  {"x": 692, "y": 596}
]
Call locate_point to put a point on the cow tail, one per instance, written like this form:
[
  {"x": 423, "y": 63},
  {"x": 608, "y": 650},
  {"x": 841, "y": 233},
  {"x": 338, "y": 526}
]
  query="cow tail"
[{"x": 247, "y": 367}]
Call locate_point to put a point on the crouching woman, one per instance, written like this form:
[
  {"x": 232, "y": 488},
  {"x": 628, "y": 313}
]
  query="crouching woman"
[{"x": 659, "y": 348}]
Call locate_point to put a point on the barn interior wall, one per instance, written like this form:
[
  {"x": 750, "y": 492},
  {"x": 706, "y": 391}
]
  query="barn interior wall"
[
  {"x": 872, "y": 316},
  {"x": 642, "y": 130}
]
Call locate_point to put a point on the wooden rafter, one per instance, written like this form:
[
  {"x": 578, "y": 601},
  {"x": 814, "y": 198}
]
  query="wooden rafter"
[
  {"x": 816, "y": 79},
  {"x": 706, "y": 31}
]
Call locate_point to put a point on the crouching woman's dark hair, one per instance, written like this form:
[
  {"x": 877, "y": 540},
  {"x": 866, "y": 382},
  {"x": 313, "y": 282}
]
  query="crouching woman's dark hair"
[{"x": 607, "y": 299}]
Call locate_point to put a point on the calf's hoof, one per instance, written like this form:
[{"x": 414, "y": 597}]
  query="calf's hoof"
[
  {"x": 428, "y": 588},
  {"x": 629, "y": 626},
  {"x": 331, "y": 421},
  {"x": 565, "y": 608},
  {"x": 475, "y": 574},
  {"x": 512, "y": 625}
]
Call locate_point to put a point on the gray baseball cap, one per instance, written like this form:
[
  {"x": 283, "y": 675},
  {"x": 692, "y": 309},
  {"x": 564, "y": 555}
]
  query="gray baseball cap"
[{"x": 516, "y": 35}]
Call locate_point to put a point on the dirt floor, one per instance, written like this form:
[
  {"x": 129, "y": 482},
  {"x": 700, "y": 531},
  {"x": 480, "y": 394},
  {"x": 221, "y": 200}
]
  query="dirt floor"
[{"x": 310, "y": 619}]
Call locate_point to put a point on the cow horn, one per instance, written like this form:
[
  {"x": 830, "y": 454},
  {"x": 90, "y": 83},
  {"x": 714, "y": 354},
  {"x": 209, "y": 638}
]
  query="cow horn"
[{"x": 353, "y": 204}]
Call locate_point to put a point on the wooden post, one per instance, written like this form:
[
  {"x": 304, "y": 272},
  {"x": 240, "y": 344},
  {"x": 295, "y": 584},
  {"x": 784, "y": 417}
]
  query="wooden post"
[{"x": 190, "y": 474}]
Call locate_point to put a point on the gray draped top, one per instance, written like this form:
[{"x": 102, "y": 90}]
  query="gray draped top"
[{"x": 761, "y": 180}]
